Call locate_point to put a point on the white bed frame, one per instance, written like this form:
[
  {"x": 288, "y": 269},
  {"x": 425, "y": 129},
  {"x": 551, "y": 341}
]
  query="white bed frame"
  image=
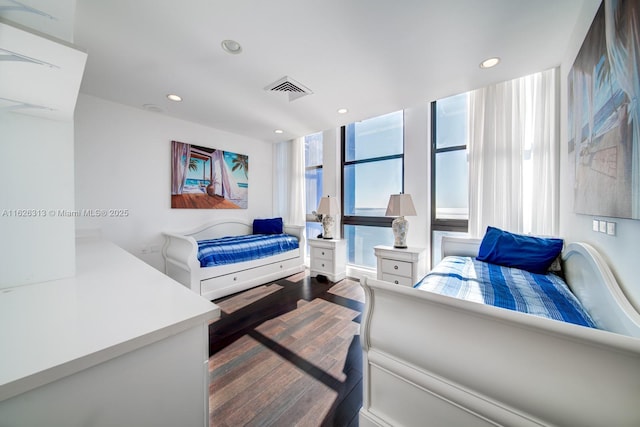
[
  {"x": 432, "y": 360},
  {"x": 181, "y": 263}
]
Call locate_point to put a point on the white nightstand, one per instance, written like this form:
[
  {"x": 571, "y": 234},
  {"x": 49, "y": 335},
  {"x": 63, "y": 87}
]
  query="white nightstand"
[
  {"x": 328, "y": 258},
  {"x": 400, "y": 266}
]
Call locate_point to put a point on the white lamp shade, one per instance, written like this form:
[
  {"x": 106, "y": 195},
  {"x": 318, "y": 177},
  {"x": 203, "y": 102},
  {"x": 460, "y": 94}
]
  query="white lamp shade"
[
  {"x": 400, "y": 205},
  {"x": 328, "y": 206}
]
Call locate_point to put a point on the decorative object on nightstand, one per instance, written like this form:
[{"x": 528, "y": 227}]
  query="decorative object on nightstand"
[
  {"x": 400, "y": 266},
  {"x": 328, "y": 258},
  {"x": 400, "y": 205},
  {"x": 328, "y": 207}
]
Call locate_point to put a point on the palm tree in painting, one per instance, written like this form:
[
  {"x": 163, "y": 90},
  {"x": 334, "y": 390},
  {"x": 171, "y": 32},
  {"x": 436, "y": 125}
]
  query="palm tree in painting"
[
  {"x": 193, "y": 164},
  {"x": 241, "y": 161}
]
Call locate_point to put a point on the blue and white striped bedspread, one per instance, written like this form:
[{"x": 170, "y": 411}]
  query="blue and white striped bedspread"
[
  {"x": 545, "y": 295},
  {"x": 229, "y": 250}
]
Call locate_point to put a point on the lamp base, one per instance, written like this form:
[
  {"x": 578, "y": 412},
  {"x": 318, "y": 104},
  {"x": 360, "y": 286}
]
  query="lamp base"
[
  {"x": 327, "y": 226},
  {"x": 400, "y": 227}
]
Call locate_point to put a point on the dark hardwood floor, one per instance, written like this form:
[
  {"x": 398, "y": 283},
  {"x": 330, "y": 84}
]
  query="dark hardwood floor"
[{"x": 287, "y": 353}]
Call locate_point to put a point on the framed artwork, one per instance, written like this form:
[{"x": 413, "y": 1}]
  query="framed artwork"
[
  {"x": 604, "y": 114},
  {"x": 208, "y": 178}
]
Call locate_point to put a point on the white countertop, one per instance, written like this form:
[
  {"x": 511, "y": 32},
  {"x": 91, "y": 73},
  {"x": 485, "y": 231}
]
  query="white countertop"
[{"x": 113, "y": 305}]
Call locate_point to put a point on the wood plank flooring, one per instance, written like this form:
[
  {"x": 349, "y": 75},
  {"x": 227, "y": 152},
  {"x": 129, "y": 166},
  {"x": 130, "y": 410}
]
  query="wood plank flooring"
[{"x": 287, "y": 353}]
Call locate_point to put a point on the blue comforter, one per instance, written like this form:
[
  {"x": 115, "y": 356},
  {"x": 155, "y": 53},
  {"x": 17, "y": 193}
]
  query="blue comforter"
[
  {"x": 229, "y": 250},
  {"x": 545, "y": 295}
]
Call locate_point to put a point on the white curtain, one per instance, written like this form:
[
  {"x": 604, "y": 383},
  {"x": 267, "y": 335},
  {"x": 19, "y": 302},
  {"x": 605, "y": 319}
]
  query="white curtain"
[
  {"x": 227, "y": 183},
  {"x": 289, "y": 183},
  {"x": 180, "y": 155},
  {"x": 514, "y": 156}
]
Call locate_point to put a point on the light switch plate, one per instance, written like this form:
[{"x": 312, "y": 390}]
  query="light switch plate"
[
  {"x": 611, "y": 228},
  {"x": 596, "y": 225},
  {"x": 603, "y": 226}
]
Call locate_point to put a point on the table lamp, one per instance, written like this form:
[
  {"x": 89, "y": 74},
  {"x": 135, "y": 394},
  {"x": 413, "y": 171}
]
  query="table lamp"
[
  {"x": 328, "y": 207},
  {"x": 400, "y": 205}
]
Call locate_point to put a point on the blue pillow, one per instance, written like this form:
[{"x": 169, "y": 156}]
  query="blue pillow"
[
  {"x": 267, "y": 226},
  {"x": 533, "y": 254}
]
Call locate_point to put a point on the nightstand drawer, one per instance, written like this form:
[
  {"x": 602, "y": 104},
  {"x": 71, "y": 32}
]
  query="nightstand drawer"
[
  {"x": 321, "y": 253},
  {"x": 398, "y": 280},
  {"x": 397, "y": 268},
  {"x": 323, "y": 265}
]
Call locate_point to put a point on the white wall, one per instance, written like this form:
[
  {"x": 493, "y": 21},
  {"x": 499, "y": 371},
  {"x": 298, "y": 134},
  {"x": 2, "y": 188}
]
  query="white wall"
[
  {"x": 122, "y": 161},
  {"x": 36, "y": 186},
  {"x": 622, "y": 251},
  {"x": 332, "y": 171},
  {"x": 417, "y": 174}
]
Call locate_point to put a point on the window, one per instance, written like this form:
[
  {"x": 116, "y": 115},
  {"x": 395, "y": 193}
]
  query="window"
[
  {"x": 508, "y": 179},
  {"x": 373, "y": 162},
  {"x": 449, "y": 169},
  {"x": 313, "y": 181}
]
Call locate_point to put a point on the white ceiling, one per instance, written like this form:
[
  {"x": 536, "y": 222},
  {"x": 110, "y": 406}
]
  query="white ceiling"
[{"x": 370, "y": 56}]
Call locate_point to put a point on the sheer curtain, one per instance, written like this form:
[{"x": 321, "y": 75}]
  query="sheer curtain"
[
  {"x": 289, "y": 189},
  {"x": 514, "y": 156},
  {"x": 180, "y": 154}
]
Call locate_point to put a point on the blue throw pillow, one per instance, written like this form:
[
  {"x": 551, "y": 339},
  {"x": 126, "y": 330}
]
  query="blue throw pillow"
[
  {"x": 268, "y": 226},
  {"x": 534, "y": 254}
]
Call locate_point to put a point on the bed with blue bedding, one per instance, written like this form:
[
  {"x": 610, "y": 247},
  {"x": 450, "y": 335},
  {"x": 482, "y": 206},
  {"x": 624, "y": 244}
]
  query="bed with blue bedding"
[
  {"x": 544, "y": 295},
  {"x": 229, "y": 256},
  {"x": 233, "y": 249},
  {"x": 490, "y": 337}
]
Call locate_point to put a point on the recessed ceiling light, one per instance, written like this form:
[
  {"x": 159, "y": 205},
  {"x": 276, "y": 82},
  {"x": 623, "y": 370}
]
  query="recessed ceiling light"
[
  {"x": 491, "y": 62},
  {"x": 174, "y": 97},
  {"x": 231, "y": 46},
  {"x": 278, "y": 131},
  {"x": 342, "y": 111}
]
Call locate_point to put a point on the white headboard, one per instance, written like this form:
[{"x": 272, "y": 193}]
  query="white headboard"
[
  {"x": 460, "y": 246},
  {"x": 221, "y": 228}
]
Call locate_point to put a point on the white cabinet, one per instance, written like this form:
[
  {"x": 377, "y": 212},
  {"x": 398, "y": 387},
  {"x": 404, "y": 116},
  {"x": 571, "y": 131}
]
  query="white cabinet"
[
  {"x": 328, "y": 258},
  {"x": 125, "y": 345},
  {"x": 400, "y": 266},
  {"x": 39, "y": 76}
]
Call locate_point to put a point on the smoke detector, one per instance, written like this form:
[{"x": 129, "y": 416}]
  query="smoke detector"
[{"x": 293, "y": 88}]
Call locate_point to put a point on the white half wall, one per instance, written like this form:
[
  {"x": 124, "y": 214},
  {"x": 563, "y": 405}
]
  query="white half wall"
[
  {"x": 36, "y": 184},
  {"x": 621, "y": 251},
  {"x": 122, "y": 163}
]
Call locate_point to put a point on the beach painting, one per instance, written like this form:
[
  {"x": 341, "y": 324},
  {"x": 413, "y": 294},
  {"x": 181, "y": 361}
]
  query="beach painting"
[
  {"x": 208, "y": 178},
  {"x": 604, "y": 114}
]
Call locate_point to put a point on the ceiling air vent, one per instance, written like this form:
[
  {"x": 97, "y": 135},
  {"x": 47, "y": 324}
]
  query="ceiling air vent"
[{"x": 293, "y": 88}]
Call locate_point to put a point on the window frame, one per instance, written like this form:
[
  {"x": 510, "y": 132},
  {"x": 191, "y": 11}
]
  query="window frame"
[
  {"x": 437, "y": 224},
  {"x": 374, "y": 221},
  {"x": 309, "y": 217}
]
